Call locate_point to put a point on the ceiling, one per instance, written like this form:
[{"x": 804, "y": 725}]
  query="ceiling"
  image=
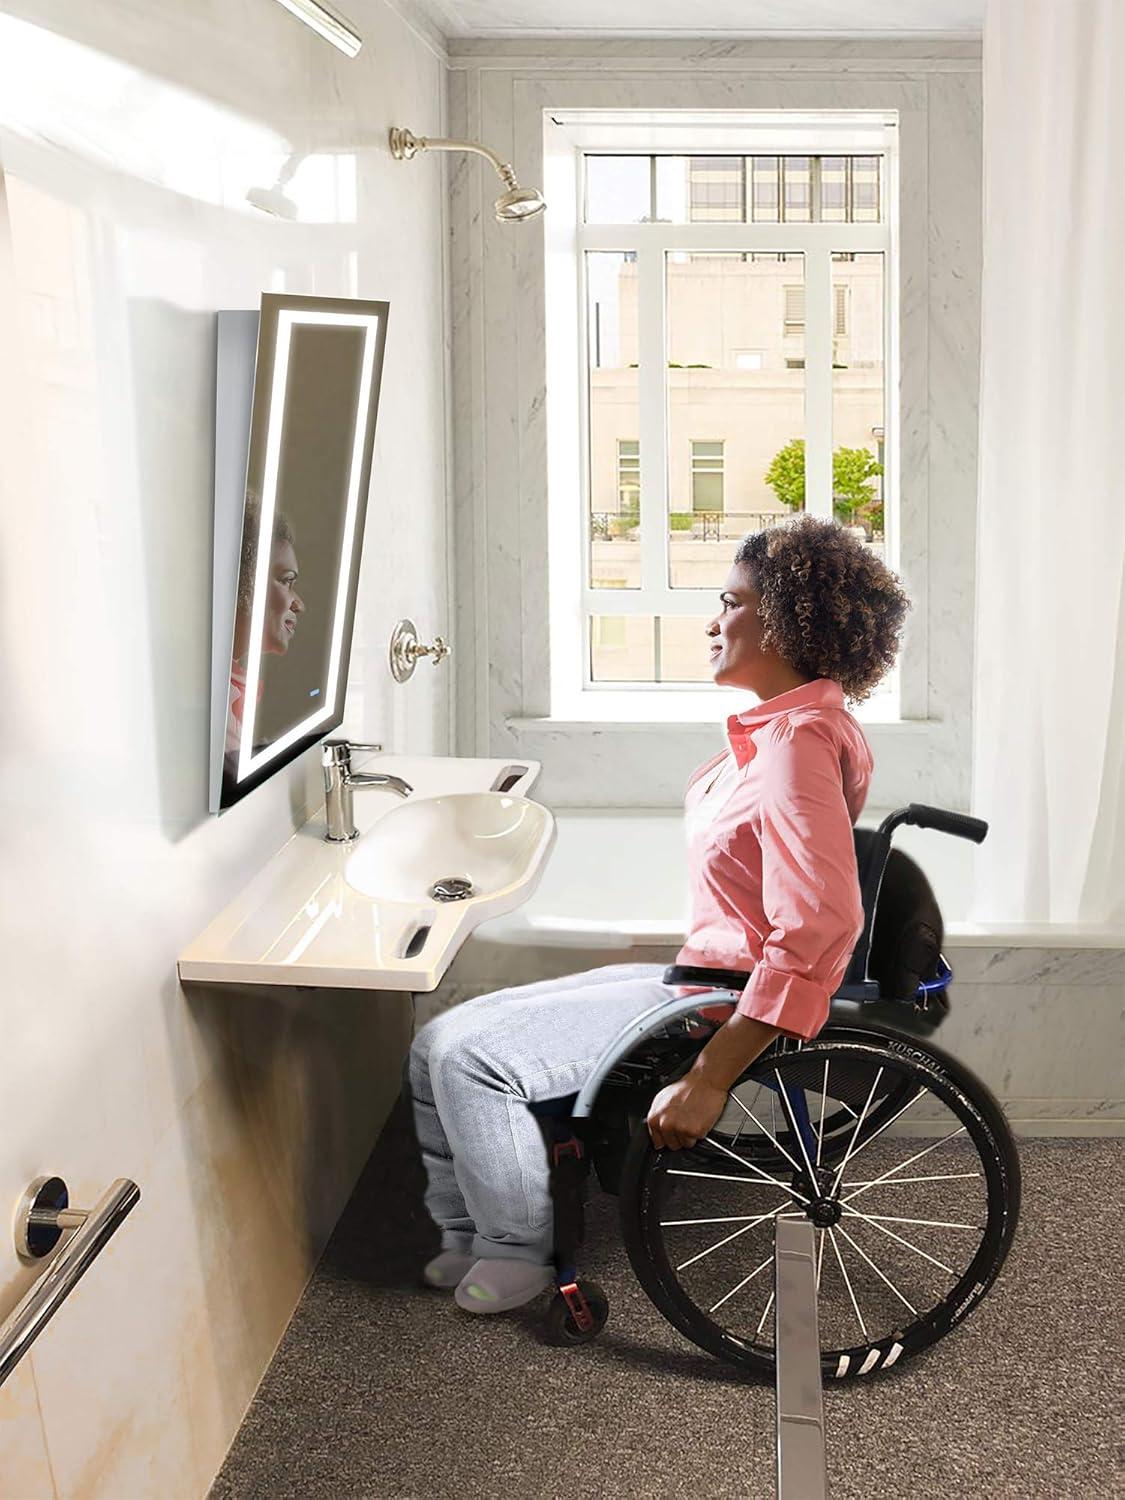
[{"x": 706, "y": 18}]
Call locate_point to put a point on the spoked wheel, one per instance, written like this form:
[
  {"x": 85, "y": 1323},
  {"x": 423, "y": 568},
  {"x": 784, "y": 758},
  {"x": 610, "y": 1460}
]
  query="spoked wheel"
[
  {"x": 751, "y": 1099},
  {"x": 915, "y": 1202}
]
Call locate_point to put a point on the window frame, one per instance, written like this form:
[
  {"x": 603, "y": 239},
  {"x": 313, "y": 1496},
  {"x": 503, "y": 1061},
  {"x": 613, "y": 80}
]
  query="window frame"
[{"x": 574, "y": 695}]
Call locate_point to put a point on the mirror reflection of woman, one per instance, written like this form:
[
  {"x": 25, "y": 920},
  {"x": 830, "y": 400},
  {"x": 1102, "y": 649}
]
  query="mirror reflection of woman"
[{"x": 284, "y": 607}]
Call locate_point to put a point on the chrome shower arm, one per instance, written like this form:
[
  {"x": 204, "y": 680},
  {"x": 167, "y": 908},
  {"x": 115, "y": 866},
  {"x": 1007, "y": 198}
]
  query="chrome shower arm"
[{"x": 404, "y": 145}]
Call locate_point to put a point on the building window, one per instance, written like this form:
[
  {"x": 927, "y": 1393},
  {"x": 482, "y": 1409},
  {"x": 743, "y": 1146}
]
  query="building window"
[
  {"x": 840, "y": 310},
  {"x": 628, "y": 474},
  {"x": 707, "y": 475},
  {"x": 717, "y": 189},
  {"x": 794, "y": 309}
]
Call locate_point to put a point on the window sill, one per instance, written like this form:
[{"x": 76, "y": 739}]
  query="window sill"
[{"x": 650, "y": 725}]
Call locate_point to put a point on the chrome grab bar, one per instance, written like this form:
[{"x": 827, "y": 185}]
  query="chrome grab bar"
[{"x": 43, "y": 1217}]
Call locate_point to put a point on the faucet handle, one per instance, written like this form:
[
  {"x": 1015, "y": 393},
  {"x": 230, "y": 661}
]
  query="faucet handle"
[{"x": 339, "y": 752}]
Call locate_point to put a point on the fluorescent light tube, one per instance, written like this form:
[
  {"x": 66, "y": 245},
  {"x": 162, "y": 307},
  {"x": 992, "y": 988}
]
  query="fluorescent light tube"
[{"x": 327, "y": 23}]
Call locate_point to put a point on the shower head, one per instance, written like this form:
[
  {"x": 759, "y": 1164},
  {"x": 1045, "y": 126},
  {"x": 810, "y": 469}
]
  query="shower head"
[
  {"x": 513, "y": 206},
  {"x": 518, "y": 204}
]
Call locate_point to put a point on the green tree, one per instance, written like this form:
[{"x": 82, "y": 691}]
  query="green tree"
[
  {"x": 786, "y": 475},
  {"x": 854, "y": 498}
]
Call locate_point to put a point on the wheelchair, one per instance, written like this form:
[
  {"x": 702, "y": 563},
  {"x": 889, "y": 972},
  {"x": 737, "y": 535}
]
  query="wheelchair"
[{"x": 897, "y": 1153}]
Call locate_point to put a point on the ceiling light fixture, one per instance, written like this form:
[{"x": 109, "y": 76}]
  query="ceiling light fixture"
[{"x": 327, "y": 23}]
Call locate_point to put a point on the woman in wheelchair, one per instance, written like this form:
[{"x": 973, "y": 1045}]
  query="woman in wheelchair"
[{"x": 812, "y": 1088}]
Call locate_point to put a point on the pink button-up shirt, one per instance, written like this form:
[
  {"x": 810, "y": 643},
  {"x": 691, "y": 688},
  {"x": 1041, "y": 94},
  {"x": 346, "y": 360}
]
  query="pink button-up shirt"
[{"x": 771, "y": 855}]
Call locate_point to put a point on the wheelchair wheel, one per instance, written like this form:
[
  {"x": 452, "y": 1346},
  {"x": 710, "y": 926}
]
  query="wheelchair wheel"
[
  {"x": 559, "y": 1326},
  {"x": 750, "y": 1099},
  {"x": 914, "y": 1214}
]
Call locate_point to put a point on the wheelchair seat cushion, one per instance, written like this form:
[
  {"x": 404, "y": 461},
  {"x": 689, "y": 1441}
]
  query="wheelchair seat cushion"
[{"x": 908, "y": 931}]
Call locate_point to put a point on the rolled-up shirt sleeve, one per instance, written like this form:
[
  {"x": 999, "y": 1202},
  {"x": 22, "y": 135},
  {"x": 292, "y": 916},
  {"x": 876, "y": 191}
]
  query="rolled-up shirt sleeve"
[{"x": 810, "y": 883}]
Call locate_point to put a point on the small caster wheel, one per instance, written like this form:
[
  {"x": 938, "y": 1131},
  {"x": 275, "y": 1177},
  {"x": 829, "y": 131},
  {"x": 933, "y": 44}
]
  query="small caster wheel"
[{"x": 559, "y": 1326}]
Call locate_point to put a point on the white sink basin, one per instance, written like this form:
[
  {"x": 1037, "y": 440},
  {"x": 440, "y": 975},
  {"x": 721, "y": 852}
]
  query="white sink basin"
[
  {"x": 361, "y": 915},
  {"x": 496, "y": 843}
]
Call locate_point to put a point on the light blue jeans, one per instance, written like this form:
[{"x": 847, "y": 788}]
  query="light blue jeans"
[{"x": 471, "y": 1073}]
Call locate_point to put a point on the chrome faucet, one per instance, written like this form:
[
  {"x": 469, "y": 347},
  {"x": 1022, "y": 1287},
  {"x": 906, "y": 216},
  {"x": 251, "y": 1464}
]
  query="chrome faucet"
[{"x": 339, "y": 779}]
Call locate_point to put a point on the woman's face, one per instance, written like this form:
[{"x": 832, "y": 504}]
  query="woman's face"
[
  {"x": 283, "y": 603},
  {"x": 736, "y": 632}
]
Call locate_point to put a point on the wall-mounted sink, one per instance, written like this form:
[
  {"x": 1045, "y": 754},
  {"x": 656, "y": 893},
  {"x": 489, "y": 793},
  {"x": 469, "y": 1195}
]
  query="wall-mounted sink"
[
  {"x": 375, "y": 914},
  {"x": 473, "y": 847}
]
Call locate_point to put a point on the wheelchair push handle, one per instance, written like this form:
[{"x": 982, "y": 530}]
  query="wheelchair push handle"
[{"x": 961, "y": 825}]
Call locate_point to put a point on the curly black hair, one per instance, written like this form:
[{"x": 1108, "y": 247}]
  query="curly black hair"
[{"x": 830, "y": 607}]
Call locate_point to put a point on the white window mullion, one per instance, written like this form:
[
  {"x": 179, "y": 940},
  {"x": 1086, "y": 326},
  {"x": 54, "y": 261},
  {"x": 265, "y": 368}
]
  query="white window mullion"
[
  {"x": 652, "y": 400},
  {"x": 818, "y": 382}
]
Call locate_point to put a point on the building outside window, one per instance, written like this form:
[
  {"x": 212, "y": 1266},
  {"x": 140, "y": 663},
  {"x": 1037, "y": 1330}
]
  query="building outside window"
[
  {"x": 717, "y": 189},
  {"x": 628, "y": 474},
  {"x": 707, "y": 475}
]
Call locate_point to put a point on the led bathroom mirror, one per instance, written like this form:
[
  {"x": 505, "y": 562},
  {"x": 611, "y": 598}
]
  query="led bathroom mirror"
[{"x": 297, "y": 390}]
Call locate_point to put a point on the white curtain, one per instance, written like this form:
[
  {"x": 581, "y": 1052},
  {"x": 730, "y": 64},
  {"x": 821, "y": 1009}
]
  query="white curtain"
[{"x": 1049, "y": 686}]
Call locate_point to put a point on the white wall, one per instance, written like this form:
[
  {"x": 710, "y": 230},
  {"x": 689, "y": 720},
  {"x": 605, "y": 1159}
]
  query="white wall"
[
  {"x": 127, "y": 138},
  {"x": 498, "y": 93}
]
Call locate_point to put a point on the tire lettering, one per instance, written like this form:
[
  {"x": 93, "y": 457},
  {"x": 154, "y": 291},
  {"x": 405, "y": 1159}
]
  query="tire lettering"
[{"x": 962, "y": 1307}]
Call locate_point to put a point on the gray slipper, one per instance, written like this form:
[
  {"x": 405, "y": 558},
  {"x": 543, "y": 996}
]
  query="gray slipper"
[
  {"x": 447, "y": 1269},
  {"x": 494, "y": 1286}
]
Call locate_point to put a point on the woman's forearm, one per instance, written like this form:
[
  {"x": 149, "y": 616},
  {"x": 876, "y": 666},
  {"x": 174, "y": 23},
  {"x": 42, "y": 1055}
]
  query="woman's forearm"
[{"x": 732, "y": 1049}]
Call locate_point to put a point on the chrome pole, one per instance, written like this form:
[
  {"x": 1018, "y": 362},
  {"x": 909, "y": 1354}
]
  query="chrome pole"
[
  {"x": 800, "y": 1405},
  {"x": 42, "y": 1219}
]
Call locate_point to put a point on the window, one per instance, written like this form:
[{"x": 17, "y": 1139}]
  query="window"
[
  {"x": 628, "y": 474},
  {"x": 840, "y": 310},
  {"x": 717, "y": 189},
  {"x": 733, "y": 364},
  {"x": 794, "y": 309},
  {"x": 707, "y": 476}
]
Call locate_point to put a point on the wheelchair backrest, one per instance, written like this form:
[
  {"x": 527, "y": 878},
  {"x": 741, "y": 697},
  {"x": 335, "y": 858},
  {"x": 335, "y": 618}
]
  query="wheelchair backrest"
[{"x": 902, "y": 937}]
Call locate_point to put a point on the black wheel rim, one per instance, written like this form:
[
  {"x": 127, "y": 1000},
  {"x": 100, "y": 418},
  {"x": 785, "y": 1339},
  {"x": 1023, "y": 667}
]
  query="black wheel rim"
[{"x": 914, "y": 1214}]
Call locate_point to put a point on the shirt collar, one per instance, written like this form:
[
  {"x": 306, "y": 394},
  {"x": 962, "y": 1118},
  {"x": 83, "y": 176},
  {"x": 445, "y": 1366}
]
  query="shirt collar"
[{"x": 821, "y": 692}]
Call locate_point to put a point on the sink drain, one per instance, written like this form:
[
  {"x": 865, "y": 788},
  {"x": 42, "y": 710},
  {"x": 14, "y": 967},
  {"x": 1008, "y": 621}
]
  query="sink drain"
[{"x": 453, "y": 888}]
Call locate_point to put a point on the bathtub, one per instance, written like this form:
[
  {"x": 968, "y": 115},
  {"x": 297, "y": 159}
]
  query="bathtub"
[
  {"x": 619, "y": 874},
  {"x": 1036, "y": 1010}
]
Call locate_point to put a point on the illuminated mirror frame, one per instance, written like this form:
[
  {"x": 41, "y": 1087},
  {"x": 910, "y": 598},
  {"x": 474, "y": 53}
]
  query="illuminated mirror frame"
[{"x": 252, "y": 369}]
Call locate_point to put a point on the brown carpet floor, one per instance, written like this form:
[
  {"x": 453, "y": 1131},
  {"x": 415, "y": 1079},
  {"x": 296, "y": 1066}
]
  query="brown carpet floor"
[{"x": 383, "y": 1389}]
